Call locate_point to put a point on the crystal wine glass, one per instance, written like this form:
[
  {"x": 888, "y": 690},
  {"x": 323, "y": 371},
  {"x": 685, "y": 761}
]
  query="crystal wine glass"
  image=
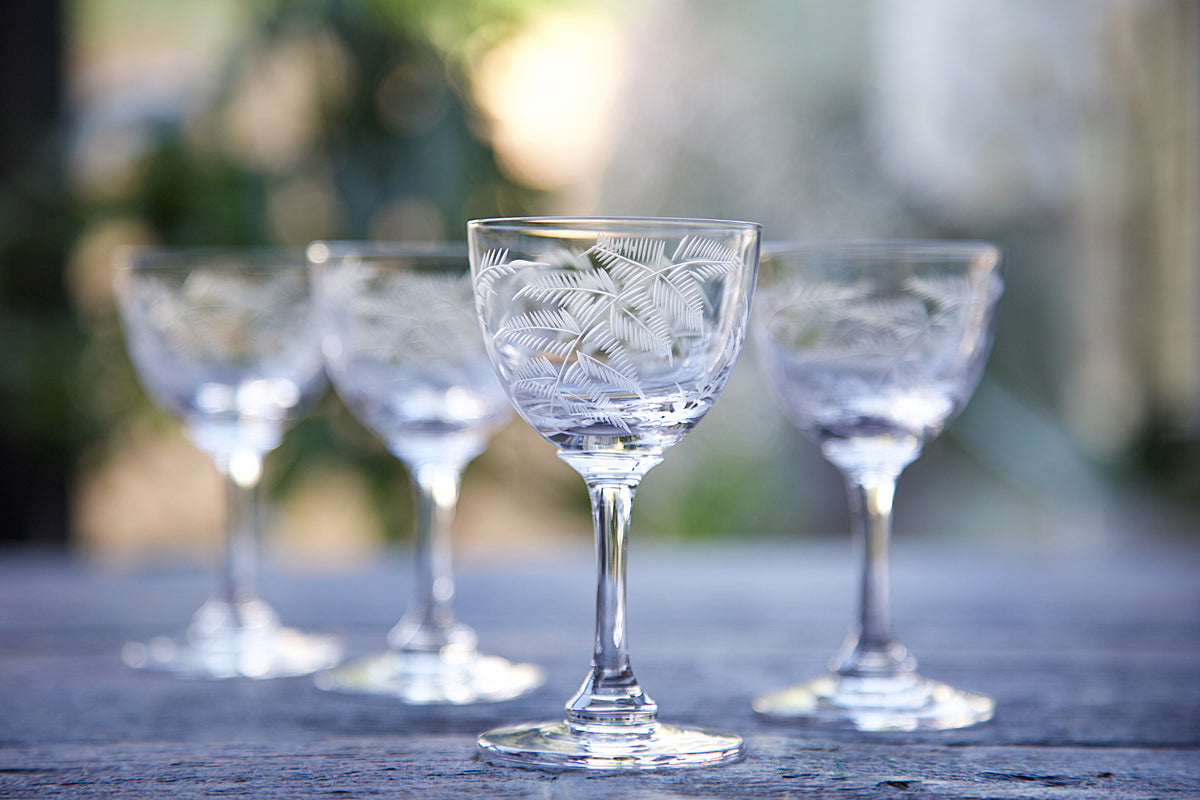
[
  {"x": 613, "y": 337},
  {"x": 224, "y": 339},
  {"x": 873, "y": 348},
  {"x": 403, "y": 349}
]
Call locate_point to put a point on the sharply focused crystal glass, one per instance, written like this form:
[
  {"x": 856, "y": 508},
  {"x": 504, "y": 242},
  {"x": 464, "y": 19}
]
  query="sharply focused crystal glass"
[
  {"x": 403, "y": 349},
  {"x": 225, "y": 339},
  {"x": 873, "y": 349},
  {"x": 613, "y": 338}
]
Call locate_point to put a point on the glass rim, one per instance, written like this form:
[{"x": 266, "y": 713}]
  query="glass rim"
[
  {"x": 589, "y": 223},
  {"x": 322, "y": 250},
  {"x": 940, "y": 247},
  {"x": 144, "y": 257}
]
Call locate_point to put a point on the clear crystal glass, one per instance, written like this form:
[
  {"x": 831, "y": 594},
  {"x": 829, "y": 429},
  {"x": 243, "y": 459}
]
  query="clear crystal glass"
[
  {"x": 873, "y": 348},
  {"x": 224, "y": 339},
  {"x": 404, "y": 352},
  {"x": 613, "y": 337}
]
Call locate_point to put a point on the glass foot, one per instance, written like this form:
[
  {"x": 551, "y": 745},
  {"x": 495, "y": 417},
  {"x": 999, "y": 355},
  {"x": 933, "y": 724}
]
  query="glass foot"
[
  {"x": 558, "y": 746},
  {"x": 278, "y": 653},
  {"x": 430, "y": 678},
  {"x": 903, "y": 703}
]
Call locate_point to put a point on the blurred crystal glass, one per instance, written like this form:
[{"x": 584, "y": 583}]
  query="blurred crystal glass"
[
  {"x": 403, "y": 349},
  {"x": 873, "y": 348},
  {"x": 613, "y": 338},
  {"x": 225, "y": 340}
]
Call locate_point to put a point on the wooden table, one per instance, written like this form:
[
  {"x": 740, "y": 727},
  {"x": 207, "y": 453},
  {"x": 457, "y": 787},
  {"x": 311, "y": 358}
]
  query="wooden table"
[{"x": 1094, "y": 663}]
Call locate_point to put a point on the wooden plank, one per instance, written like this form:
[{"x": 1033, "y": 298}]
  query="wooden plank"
[
  {"x": 441, "y": 766},
  {"x": 1095, "y": 666}
]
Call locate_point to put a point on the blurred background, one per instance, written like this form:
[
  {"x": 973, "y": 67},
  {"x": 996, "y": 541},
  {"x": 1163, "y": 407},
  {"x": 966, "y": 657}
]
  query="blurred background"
[{"x": 1068, "y": 131}]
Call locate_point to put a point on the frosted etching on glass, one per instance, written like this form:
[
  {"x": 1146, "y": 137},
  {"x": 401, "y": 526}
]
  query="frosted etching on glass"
[
  {"x": 876, "y": 360},
  {"x": 611, "y": 337}
]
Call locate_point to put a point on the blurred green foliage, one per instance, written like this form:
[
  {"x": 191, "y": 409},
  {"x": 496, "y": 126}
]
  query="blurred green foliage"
[
  {"x": 42, "y": 339},
  {"x": 389, "y": 125},
  {"x": 396, "y": 127}
]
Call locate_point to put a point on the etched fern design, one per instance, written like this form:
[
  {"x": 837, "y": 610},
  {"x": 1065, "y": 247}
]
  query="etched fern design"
[
  {"x": 406, "y": 318},
  {"x": 584, "y": 323},
  {"x": 222, "y": 318},
  {"x": 904, "y": 333}
]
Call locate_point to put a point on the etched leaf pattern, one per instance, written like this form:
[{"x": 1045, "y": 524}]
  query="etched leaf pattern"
[
  {"x": 908, "y": 333},
  {"x": 411, "y": 318},
  {"x": 222, "y": 318},
  {"x": 584, "y": 321}
]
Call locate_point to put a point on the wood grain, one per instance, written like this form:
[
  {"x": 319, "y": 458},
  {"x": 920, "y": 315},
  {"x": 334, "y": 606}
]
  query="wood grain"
[{"x": 1094, "y": 664}]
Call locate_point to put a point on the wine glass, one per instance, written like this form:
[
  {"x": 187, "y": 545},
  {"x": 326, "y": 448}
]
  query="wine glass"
[
  {"x": 224, "y": 339},
  {"x": 403, "y": 349},
  {"x": 613, "y": 337},
  {"x": 873, "y": 348}
]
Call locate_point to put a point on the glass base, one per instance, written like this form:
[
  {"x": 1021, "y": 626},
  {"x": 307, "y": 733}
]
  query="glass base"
[
  {"x": 278, "y": 653},
  {"x": 429, "y": 678},
  {"x": 906, "y": 702},
  {"x": 656, "y": 746}
]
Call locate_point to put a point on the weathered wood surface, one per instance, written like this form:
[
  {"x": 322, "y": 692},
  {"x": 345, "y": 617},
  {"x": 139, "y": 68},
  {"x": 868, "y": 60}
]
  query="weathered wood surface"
[{"x": 1094, "y": 664}]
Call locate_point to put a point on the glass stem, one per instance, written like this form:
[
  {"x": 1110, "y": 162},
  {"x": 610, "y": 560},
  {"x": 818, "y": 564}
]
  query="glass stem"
[
  {"x": 235, "y": 607},
  {"x": 429, "y": 624},
  {"x": 239, "y": 568},
  {"x": 871, "y": 651},
  {"x": 610, "y": 696}
]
